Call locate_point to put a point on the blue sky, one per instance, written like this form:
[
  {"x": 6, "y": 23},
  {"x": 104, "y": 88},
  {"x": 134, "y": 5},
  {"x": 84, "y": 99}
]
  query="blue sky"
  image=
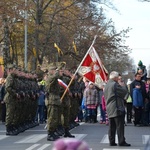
[{"x": 136, "y": 15}]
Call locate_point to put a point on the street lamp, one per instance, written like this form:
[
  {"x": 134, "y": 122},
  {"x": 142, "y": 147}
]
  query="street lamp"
[{"x": 25, "y": 41}]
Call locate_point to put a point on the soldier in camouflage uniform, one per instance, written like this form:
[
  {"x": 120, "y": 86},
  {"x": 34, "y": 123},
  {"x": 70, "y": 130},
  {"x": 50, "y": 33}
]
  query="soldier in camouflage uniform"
[
  {"x": 65, "y": 105},
  {"x": 21, "y": 100},
  {"x": 75, "y": 100},
  {"x": 10, "y": 100},
  {"x": 53, "y": 101}
]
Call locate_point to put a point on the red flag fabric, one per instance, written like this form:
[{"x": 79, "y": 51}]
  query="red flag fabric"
[{"x": 93, "y": 69}]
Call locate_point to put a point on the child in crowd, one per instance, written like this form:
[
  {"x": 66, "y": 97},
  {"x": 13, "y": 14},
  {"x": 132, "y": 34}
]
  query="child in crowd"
[
  {"x": 102, "y": 112},
  {"x": 104, "y": 109},
  {"x": 91, "y": 102},
  {"x": 84, "y": 110},
  {"x": 137, "y": 104}
]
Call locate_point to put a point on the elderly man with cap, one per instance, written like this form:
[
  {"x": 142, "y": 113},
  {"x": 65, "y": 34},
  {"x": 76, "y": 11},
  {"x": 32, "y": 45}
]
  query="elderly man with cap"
[
  {"x": 114, "y": 94},
  {"x": 53, "y": 101}
]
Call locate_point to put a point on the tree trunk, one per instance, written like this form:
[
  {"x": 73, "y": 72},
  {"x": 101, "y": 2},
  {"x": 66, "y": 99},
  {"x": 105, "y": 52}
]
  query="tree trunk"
[{"x": 6, "y": 48}]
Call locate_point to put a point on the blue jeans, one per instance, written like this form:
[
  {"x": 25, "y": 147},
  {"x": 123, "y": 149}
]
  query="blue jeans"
[
  {"x": 91, "y": 112},
  {"x": 103, "y": 114},
  {"x": 40, "y": 113}
]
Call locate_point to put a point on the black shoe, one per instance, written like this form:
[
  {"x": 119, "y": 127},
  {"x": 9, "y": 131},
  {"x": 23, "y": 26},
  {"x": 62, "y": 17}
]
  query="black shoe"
[
  {"x": 134, "y": 123},
  {"x": 68, "y": 134},
  {"x": 76, "y": 124},
  {"x": 113, "y": 144},
  {"x": 11, "y": 131},
  {"x": 52, "y": 137},
  {"x": 125, "y": 144},
  {"x": 58, "y": 132},
  {"x": 129, "y": 122}
]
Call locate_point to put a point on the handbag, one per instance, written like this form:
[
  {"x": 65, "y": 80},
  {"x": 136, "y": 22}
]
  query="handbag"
[{"x": 120, "y": 109}]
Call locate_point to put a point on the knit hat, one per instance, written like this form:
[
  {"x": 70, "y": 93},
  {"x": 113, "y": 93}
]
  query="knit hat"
[
  {"x": 137, "y": 84},
  {"x": 70, "y": 144},
  {"x": 140, "y": 63}
]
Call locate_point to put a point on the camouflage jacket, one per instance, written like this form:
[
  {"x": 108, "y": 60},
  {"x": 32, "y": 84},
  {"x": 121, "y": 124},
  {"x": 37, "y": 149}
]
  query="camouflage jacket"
[
  {"x": 53, "y": 90},
  {"x": 10, "y": 87}
]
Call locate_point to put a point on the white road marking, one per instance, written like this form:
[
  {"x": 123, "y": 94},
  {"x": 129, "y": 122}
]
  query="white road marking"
[
  {"x": 32, "y": 147},
  {"x": 81, "y": 123},
  {"x": 44, "y": 146},
  {"x": 3, "y": 131},
  {"x": 32, "y": 138},
  {"x": 37, "y": 137},
  {"x": 3, "y": 137},
  {"x": 35, "y": 130},
  {"x": 145, "y": 138},
  {"x": 106, "y": 140},
  {"x": 119, "y": 149},
  {"x": 80, "y": 136}
]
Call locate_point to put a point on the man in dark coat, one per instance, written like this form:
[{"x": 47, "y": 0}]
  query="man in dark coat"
[{"x": 114, "y": 94}]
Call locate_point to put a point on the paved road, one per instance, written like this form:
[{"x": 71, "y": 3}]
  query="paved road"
[{"x": 94, "y": 134}]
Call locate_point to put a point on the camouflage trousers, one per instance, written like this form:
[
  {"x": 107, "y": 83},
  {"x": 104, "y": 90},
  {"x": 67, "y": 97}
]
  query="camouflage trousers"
[
  {"x": 53, "y": 117},
  {"x": 65, "y": 115},
  {"x": 10, "y": 109}
]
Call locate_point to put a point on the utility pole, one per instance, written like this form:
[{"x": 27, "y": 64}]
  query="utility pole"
[{"x": 26, "y": 39}]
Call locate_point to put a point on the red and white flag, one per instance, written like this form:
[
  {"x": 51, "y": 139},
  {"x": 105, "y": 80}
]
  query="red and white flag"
[
  {"x": 92, "y": 68},
  {"x": 63, "y": 84}
]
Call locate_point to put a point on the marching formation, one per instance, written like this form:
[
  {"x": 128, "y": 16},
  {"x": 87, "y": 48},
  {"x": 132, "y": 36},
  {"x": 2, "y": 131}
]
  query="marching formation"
[
  {"x": 21, "y": 93},
  {"x": 26, "y": 92}
]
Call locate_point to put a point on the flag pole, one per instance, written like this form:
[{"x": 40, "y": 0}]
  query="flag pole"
[{"x": 78, "y": 68}]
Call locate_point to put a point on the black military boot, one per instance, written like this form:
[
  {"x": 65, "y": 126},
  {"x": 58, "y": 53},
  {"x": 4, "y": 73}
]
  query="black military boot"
[
  {"x": 15, "y": 130},
  {"x": 52, "y": 137},
  {"x": 68, "y": 134},
  {"x": 58, "y": 132},
  {"x": 61, "y": 129},
  {"x": 10, "y": 131}
]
